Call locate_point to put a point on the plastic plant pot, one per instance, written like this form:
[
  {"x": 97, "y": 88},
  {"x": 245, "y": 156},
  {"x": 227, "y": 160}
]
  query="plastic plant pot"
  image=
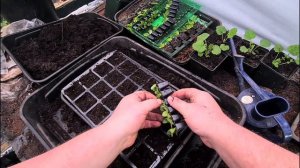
[
  {"x": 295, "y": 76},
  {"x": 163, "y": 68},
  {"x": 170, "y": 36},
  {"x": 44, "y": 52}
]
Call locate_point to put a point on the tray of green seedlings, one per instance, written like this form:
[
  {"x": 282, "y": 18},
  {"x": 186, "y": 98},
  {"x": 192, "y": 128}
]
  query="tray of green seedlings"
[{"x": 168, "y": 25}]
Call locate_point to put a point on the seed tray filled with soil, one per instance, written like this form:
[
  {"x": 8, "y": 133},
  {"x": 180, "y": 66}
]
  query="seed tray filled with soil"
[
  {"x": 45, "y": 51},
  {"x": 163, "y": 68},
  {"x": 167, "y": 26},
  {"x": 99, "y": 94}
]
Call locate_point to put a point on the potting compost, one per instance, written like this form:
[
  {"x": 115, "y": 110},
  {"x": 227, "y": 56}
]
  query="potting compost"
[{"x": 78, "y": 68}]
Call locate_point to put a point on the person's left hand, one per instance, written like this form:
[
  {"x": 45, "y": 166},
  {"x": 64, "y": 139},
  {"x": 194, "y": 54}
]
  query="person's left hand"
[{"x": 134, "y": 112}]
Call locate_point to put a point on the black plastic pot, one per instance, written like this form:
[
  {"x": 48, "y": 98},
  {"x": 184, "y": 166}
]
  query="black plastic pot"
[
  {"x": 295, "y": 76},
  {"x": 11, "y": 41},
  {"x": 170, "y": 54},
  {"x": 153, "y": 62}
]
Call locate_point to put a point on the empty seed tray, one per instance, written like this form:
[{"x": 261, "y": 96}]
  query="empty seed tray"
[{"x": 168, "y": 26}]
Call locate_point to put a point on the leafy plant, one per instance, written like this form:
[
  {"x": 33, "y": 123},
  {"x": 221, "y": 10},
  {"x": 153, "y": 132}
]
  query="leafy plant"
[
  {"x": 204, "y": 49},
  {"x": 293, "y": 50},
  {"x": 226, "y": 34},
  {"x": 165, "y": 112},
  {"x": 250, "y": 36}
]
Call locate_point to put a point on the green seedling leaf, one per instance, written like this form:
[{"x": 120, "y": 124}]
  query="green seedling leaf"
[
  {"x": 221, "y": 30},
  {"x": 231, "y": 33},
  {"x": 276, "y": 63},
  {"x": 216, "y": 50},
  {"x": 171, "y": 132},
  {"x": 202, "y": 37},
  {"x": 297, "y": 61},
  {"x": 293, "y": 50},
  {"x": 224, "y": 47},
  {"x": 165, "y": 114},
  {"x": 156, "y": 90},
  {"x": 199, "y": 46},
  {"x": 244, "y": 49},
  {"x": 170, "y": 121},
  {"x": 278, "y": 48},
  {"x": 249, "y": 35},
  {"x": 265, "y": 43},
  {"x": 165, "y": 121}
]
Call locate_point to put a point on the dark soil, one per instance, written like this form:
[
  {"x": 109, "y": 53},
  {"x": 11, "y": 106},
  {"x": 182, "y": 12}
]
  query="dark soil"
[
  {"x": 127, "y": 68},
  {"x": 176, "y": 42},
  {"x": 32, "y": 148},
  {"x": 296, "y": 76},
  {"x": 250, "y": 59},
  {"x": 148, "y": 85},
  {"x": 72, "y": 120},
  {"x": 297, "y": 131},
  {"x": 119, "y": 163},
  {"x": 85, "y": 102},
  {"x": 74, "y": 91},
  {"x": 112, "y": 100},
  {"x": 116, "y": 59},
  {"x": 98, "y": 113},
  {"x": 100, "y": 89},
  {"x": 173, "y": 78},
  {"x": 114, "y": 78},
  {"x": 89, "y": 79},
  {"x": 143, "y": 157},
  {"x": 286, "y": 69},
  {"x": 184, "y": 55},
  {"x": 211, "y": 62},
  {"x": 183, "y": 36},
  {"x": 59, "y": 44},
  {"x": 168, "y": 48},
  {"x": 291, "y": 92},
  {"x": 157, "y": 140},
  {"x": 127, "y": 87},
  {"x": 103, "y": 69},
  {"x": 140, "y": 77}
]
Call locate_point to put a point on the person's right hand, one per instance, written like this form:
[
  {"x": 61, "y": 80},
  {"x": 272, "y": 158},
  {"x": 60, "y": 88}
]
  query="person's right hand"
[{"x": 200, "y": 111}]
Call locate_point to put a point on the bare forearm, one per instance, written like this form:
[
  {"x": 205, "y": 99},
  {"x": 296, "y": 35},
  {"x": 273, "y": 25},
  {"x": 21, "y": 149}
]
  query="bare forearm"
[
  {"x": 239, "y": 147},
  {"x": 95, "y": 148}
]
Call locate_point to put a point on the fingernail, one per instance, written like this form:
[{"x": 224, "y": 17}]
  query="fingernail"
[{"x": 170, "y": 99}]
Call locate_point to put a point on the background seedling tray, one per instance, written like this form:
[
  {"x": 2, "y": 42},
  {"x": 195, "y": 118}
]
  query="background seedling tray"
[{"x": 184, "y": 13}]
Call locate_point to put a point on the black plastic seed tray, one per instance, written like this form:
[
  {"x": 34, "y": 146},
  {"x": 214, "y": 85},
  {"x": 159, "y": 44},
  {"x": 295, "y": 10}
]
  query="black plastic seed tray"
[{"x": 45, "y": 41}]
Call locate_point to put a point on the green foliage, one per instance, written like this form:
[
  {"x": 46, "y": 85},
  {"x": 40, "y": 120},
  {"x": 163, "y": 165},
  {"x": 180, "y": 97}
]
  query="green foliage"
[
  {"x": 293, "y": 50},
  {"x": 202, "y": 37},
  {"x": 224, "y": 47},
  {"x": 226, "y": 34},
  {"x": 265, "y": 43},
  {"x": 249, "y": 35},
  {"x": 4, "y": 22},
  {"x": 165, "y": 112},
  {"x": 216, "y": 50}
]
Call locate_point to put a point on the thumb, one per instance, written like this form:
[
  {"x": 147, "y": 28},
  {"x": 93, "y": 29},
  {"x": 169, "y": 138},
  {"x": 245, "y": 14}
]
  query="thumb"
[
  {"x": 149, "y": 105},
  {"x": 180, "y": 105}
]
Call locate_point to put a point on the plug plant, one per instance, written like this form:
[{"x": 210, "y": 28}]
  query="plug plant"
[
  {"x": 250, "y": 36},
  {"x": 293, "y": 50},
  {"x": 165, "y": 112},
  {"x": 226, "y": 34},
  {"x": 205, "y": 49}
]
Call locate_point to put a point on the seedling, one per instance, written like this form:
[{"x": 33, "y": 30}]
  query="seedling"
[
  {"x": 293, "y": 50},
  {"x": 226, "y": 34},
  {"x": 165, "y": 112},
  {"x": 250, "y": 36},
  {"x": 204, "y": 49}
]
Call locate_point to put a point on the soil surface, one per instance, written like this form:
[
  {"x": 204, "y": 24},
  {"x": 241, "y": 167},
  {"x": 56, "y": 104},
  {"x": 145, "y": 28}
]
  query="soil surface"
[
  {"x": 296, "y": 77},
  {"x": 143, "y": 157},
  {"x": 127, "y": 87},
  {"x": 74, "y": 91},
  {"x": 184, "y": 55},
  {"x": 98, "y": 113},
  {"x": 114, "y": 78},
  {"x": 85, "y": 102},
  {"x": 104, "y": 69},
  {"x": 168, "y": 48},
  {"x": 157, "y": 140},
  {"x": 140, "y": 77},
  {"x": 59, "y": 44},
  {"x": 251, "y": 59},
  {"x": 127, "y": 68},
  {"x": 112, "y": 100},
  {"x": 89, "y": 79},
  {"x": 116, "y": 59},
  {"x": 210, "y": 62},
  {"x": 297, "y": 131},
  {"x": 100, "y": 89},
  {"x": 286, "y": 69},
  {"x": 148, "y": 85}
]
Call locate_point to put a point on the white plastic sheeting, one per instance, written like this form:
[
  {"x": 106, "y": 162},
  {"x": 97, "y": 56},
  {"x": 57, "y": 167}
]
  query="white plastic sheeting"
[{"x": 276, "y": 20}]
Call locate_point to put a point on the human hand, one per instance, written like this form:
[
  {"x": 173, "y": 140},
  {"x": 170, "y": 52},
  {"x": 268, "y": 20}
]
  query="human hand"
[
  {"x": 134, "y": 112},
  {"x": 200, "y": 111}
]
